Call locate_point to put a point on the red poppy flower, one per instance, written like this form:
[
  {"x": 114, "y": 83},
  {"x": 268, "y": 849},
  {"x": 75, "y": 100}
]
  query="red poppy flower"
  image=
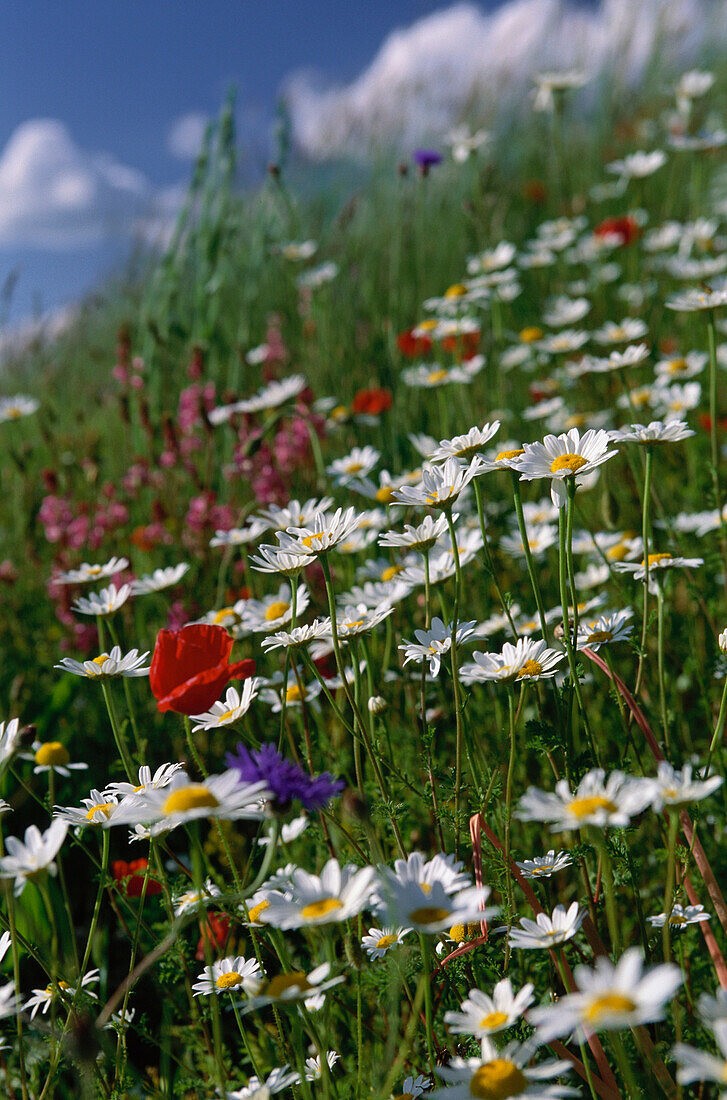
[
  {"x": 215, "y": 931},
  {"x": 625, "y": 227},
  {"x": 411, "y": 346},
  {"x": 373, "y": 401},
  {"x": 191, "y": 666},
  {"x": 466, "y": 344},
  {"x": 130, "y": 877}
]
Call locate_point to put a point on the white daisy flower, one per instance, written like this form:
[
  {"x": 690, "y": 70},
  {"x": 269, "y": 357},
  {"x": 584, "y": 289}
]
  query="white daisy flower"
[
  {"x": 339, "y": 893},
  {"x": 502, "y": 1073},
  {"x": 95, "y": 810},
  {"x": 674, "y": 789},
  {"x": 492, "y": 259},
  {"x": 681, "y": 367},
  {"x": 657, "y": 431},
  {"x": 9, "y": 739},
  {"x": 413, "y": 1087},
  {"x": 289, "y": 831},
  {"x": 294, "y": 986},
  {"x": 605, "y": 630},
  {"x": 546, "y": 932},
  {"x": 597, "y": 801},
  {"x": 526, "y": 660},
  {"x": 13, "y": 408},
  {"x": 421, "y": 537},
  {"x": 482, "y": 1015},
  {"x": 10, "y": 1003},
  {"x": 159, "y": 579},
  {"x": 295, "y": 513},
  {"x": 231, "y": 975},
  {"x": 180, "y": 801},
  {"x": 713, "y": 1009},
  {"x": 544, "y": 866},
  {"x": 673, "y": 401},
  {"x": 86, "y": 572},
  {"x": 540, "y": 540},
  {"x": 52, "y": 756},
  {"x": 562, "y": 343},
  {"x": 680, "y": 917},
  {"x": 358, "y": 463},
  {"x": 107, "y": 664},
  {"x": 295, "y": 694},
  {"x": 564, "y": 311},
  {"x": 105, "y": 602},
  {"x": 464, "y": 142},
  {"x": 563, "y": 456},
  {"x": 694, "y": 300},
  {"x": 273, "y": 612},
  {"x": 313, "y": 1065},
  {"x": 271, "y": 559},
  {"x": 638, "y": 165},
  {"x": 161, "y": 778},
  {"x": 609, "y": 998},
  {"x": 631, "y": 328},
  {"x": 323, "y": 534},
  {"x": 698, "y": 1065},
  {"x": 42, "y": 998},
  {"x": 465, "y": 447},
  {"x": 191, "y": 899},
  {"x": 379, "y": 941},
  {"x": 300, "y": 635},
  {"x": 429, "y": 908},
  {"x": 27, "y": 858},
  {"x": 432, "y": 644},
  {"x": 298, "y": 250},
  {"x": 240, "y": 536},
  {"x": 282, "y": 1077},
  {"x": 656, "y": 562},
  {"x": 550, "y": 87},
  {"x": 230, "y": 709}
]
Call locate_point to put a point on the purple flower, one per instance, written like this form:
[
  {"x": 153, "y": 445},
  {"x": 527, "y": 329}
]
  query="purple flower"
[
  {"x": 426, "y": 159},
  {"x": 286, "y": 779}
]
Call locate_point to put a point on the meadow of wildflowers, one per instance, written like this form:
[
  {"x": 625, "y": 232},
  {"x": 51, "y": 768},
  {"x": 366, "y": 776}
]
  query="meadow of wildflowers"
[{"x": 393, "y": 547}]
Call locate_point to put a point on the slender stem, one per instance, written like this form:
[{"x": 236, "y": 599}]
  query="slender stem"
[
  {"x": 660, "y": 665},
  {"x": 489, "y": 562},
  {"x": 670, "y": 880},
  {"x": 714, "y": 445},
  {"x": 508, "y": 812},
  {"x": 608, "y": 889},
  {"x": 645, "y": 508},
  {"x": 198, "y": 875},
  {"x": 459, "y": 738},
  {"x": 118, "y": 736},
  {"x": 528, "y": 554},
  {"x": 426, "y": 976},
  {"x": 718, "y": 729}
]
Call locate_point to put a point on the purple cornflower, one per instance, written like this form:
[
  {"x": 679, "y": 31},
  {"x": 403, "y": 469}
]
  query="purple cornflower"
[
  {"x": 426, "y": 159},
  {"x": 286, "y": 779}
]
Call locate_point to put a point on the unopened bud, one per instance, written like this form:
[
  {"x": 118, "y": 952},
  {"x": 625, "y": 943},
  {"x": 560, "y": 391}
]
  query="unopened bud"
[
  {"x": 722, "y": 641},
  {"x": 377, "y": 704}
]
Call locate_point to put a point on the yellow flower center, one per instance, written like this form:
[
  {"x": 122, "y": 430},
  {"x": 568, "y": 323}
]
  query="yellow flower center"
[
  {"x": 608, "y": 1005},
  {"x": 530, "y": 334},
  {"x": 617, "y": 552},
  {"x": 283, "y": 982},
  {"x": 321, "y": 908},
  {"x": 677, "y": 918},
  {"x": 571, "y": 463},
  {"x": 584, "y": 807},
  {"x": 94, "y": 570},
  {"x": 352, "y": 625},
  {"x": 530, "y": 668},
  {"x": 599, "y": 636},
  {"x": 310, "y": 539},
  {"x": 468, "y": 452},
  {"x": 105, "y": 809},
  {"x": 276, "y": 610},
  {"x": 384, "y": 494},
  {"x": 385, "y": 941},
  {"x": 654, "y": 559},
  {"x": 460, "y": 933},
  {"x": 339, "y": 413},
  {"x": 12, "y": 412},
  {"x": 101, "y": 659},
  {"x": 504, "y": 455},
  {"x": 52, "y": 754},
  {"x": 561, "y": 343},
  {"x": 575, "y": 420},
  {"x": 455, "y": 291},
  {"x": 428, "y": 325},
  {"x": 227, "y": 715},
  {"x": 294, "y": 694},
  {"x": 497, "y": 1080},
  {"x": 640, "y": 397},
  {"x": 389, "y": 573},
  {"x": 617, "y": 333},
  {"x": 425, "y": 888},
  {"x": 436, "y": 376},
  {"x": 676, "y": 366},
  {"x": 493, "y": 1019},
  {"x": 193, "y": 797},
  {"x": 256, "y": 910},
  {"x": 229, "y": 980},
  {"x": 428, "y": 914},
  {"x": 222, "y": 614},
  {"x": 354, "y": 467}
]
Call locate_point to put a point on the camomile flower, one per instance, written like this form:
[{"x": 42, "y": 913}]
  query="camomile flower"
[
  {"x": 605, "y": 630},
  {"x": 294, "y": 514},
  {"x": 564, "y": 311},
  {"x": 465, "y": 447},
  {"x": 544, "y": 866},
  {"x": 464, "y": 142},
  {"x": 192, "y": 899},
  {"x": 339, "y": 893},
  {"x": 681, "y": 367},
  {"x": 657, "y": 431},
  {"x": 699, "y": 1065},
  {"x": 159, "y": 579},
  {"x": 107, "y": 664},
  {"x": 271, "y": 559},
  {"x": 240, "y": 536},
  {"x": 295, "y": 694},
  {"x": 673, "y": 401},
  {"x": 502, "y": 1073},
  {"x": 230, "y": 709},
  {"x": 680, "y": 917},
  {"x": 297, "y": 250},
  {"x": 232, "y": 975},
  {"x": 550, "y": 88},
  {"x": 27, "y": 858},
  {"x": 493, "y": 259},
  {"x": 656, "y": 563},
  {"x": 161, "y": 778},
  {"x": 597, "y": 801},
  {"x": 675, "y": 789},
  {"x": 442, "y": 868},
  {"x": 358, "y": 463},
  {"x": 299, "y": 636},
  {"x": 9, "y": 739},
  {"x": 482, "y": 1015},
  {"x": 564, "y": 342},
  {"x": 546, "y": 932},
  {"x": 288, "y": 988},
  {"x": 313, "y": 1068},
  {"x": 274, "y": 611},
  {"x": 609, "y": 998},
  {"x": 282, "y": 1077},
  {"x": 379, "y": 941},
  {"x": 318, "y": 276},
  {"x": 632, "y": 356},
  {"x": 10, "y": 1003},
  {"x": 52, "y": 756},
  {"x": 695, "y": 300},
  {"x": 428, "y": 907},
  {"x": 358, "y": 619},
  {"x": 41, "y": 999},
  {"x": 540, "y": 539},
  {"x": 413, "y": 1087},
  {"x": 14, "y": 408},
  {"x": 631, "y": 328},
  {"x": 545, "y": 409},
  {"x": 440, "y": 485},
  {"x": 638, "y": 165},
  {"x": 570, "y": 455},
  {"x": 180, "y": 801},
  {"x": 272, "y": 396},
  {"x": 86, "y": 572},
  {"x": 323, "y": 533},
  {"x": 103, "y": 603},
  {"x": 421, "y": 537},
  {"x": 289, "y": 831},
  {"x": 526, "y": 660},
  {"x": 432, "y": 644},
  {"x": 95, "y": 810}
]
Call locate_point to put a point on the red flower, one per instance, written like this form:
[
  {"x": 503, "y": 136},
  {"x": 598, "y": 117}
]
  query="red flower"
[
  {"x": 130, "y": 877},
  {"x": 626, "y": 228},
  {"x": 466, "y": 344},
  {"x": 411, "y": 346},
  {"x": 191, "y": 666},
  {"x": 215, "y": 931},
  {"x": 373, "y": 401}
]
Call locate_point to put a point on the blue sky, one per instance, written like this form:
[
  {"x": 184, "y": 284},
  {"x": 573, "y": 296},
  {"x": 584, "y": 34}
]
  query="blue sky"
[{"x": 118, "y": 75}]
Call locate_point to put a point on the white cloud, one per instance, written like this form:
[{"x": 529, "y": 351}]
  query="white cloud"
[
  {"x": 461, "y": 61},
  {"x": 184, "y": 139},
  {"x": 55, "y": 195}
]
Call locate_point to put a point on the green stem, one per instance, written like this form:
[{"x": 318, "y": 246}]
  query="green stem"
[
  {"x": 528, "y": 554},
  {"x": 118, "y": 736},
  {"x": 426, "y": 977},
  {"x": 670, "y": 880},
  {"x": 645, "y": 526}
]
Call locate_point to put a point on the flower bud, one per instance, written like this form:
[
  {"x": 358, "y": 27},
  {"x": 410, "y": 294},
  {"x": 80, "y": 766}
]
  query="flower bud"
[{"x": 377, "y": 704}]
